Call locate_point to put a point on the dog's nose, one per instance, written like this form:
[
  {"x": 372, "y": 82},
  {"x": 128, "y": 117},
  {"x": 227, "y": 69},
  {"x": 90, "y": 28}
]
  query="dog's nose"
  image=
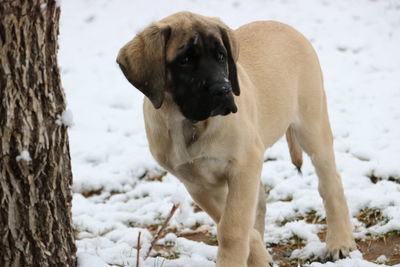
[{"x": 220, "y": 89}]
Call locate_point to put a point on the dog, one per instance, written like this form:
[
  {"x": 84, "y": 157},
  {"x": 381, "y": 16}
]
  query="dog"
[{"x": 216, "y": 99}]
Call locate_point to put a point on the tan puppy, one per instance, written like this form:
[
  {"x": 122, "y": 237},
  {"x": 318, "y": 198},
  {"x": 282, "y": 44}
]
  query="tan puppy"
[{"x": 192, "y": 69}]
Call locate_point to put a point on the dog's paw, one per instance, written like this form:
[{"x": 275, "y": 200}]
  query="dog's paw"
[
  {"x": 339, "y": 252},
  {"x": 260, "y": 260},
  {"x": 270, "y": 261},
  {"x": 339, "y": 245}
]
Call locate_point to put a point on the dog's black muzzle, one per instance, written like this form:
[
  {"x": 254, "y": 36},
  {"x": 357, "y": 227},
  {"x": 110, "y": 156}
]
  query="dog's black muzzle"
[{"x": 223, "y": 99}]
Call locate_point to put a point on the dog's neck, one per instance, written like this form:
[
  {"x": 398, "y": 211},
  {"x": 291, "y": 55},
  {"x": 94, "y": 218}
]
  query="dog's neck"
[
  {"x": 193, "y": 131},
  {"x": 184, "y": 134}
]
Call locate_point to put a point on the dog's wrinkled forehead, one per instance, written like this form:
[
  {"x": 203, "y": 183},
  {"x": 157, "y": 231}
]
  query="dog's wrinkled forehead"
[{"x": 189, "y": 29}]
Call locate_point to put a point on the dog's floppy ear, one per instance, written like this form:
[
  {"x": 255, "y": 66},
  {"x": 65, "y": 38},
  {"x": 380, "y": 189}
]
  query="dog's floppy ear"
[
  {"x": 232, "y": 47},
  {"x": 142, "y": 61}
]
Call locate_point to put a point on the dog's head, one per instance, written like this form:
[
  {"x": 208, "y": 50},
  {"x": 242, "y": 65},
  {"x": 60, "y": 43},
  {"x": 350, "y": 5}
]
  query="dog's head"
[{"x": 192, "y": 57}]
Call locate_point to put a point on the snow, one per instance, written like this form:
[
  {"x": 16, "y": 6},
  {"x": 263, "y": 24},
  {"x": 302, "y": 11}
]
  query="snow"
[
  {"x": 170, "y": 239},
  {"x": 25, "y": 156},
  {"x": 357, "y": 43},
  {"x": 381, "y": 259},
  {"x": 66, "y": 118},
  {"x": 85, "y": 259}
]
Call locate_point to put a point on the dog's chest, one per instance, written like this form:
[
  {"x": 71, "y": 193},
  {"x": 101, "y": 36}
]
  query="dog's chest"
[
  {"x": 192, "y": 153},
  {"x": 205, "y": 171},
  {"x": 197, "y": 164}
]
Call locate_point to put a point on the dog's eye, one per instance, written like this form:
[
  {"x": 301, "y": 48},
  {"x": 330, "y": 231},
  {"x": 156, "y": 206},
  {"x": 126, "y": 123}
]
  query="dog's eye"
[
  {"x": 221, "y": 57},
  {"x": 184, "y": 61}
]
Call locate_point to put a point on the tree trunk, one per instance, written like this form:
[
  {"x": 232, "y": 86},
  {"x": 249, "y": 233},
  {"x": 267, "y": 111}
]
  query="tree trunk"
[{"x": 35, "y": 170}]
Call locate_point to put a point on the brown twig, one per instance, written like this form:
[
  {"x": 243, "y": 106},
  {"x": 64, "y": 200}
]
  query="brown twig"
[
  {"x": 164, "y": 225},
  {"x": 138, "y": 249}
]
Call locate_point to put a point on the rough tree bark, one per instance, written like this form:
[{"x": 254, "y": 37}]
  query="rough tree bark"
[{"x": 35, "y": 171}]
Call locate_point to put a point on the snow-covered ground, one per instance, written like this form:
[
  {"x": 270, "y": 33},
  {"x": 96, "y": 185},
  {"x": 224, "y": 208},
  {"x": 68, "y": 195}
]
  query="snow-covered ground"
[{"x": 358, "y": 43}]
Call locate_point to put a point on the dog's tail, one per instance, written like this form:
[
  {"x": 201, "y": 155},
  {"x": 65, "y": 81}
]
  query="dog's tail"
[{"x": 295, "y": 150}]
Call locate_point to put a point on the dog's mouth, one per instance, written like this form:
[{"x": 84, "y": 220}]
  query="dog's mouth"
[
  {"x": 224, "y": 110},
  {"x": 221, "y": 110},
  {"x": 202, "y": 108}
]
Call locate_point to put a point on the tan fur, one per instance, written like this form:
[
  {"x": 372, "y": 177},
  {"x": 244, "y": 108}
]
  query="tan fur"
[
  {"x": 142, "y": 62},
  {"x": 220, "y": 160},
  {"x": 294, "y": 148}
]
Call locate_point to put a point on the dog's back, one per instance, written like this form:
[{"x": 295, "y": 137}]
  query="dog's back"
[{"x": 284, "y": 71}]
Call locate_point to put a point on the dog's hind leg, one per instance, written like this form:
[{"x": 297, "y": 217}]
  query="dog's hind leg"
[
  {"x": 257, "y": 256},
  {"x": 211, "y": 201},
  {"x": 315, "y": 137}
]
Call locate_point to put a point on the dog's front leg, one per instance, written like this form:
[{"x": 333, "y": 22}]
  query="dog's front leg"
[{"x": 237, "y": 220}]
